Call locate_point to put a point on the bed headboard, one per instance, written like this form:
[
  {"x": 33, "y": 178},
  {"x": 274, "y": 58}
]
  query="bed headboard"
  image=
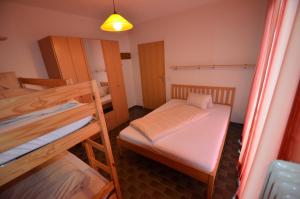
[{"x": 220, "y": 95}]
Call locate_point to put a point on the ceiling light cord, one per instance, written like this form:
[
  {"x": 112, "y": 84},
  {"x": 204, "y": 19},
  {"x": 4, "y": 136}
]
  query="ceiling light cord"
[{"x": 115, "y": 12}]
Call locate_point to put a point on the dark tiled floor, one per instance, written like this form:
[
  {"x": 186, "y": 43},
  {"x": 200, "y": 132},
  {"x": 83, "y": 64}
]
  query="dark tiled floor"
[{"x": 144, "y": 178}]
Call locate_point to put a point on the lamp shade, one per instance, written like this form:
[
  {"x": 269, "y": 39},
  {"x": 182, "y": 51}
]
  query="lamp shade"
[{"x": 116, "y": 23}]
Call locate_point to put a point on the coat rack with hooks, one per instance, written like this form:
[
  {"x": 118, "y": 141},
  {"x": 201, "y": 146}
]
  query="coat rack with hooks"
[{"x": 212, "y": 66}]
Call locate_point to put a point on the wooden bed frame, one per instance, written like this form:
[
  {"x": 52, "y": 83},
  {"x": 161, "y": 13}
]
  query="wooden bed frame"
[
  {"x": 12, "y": 107},
  {"x": 220, "y": 95},
  {"x": 11, "y": 81}
]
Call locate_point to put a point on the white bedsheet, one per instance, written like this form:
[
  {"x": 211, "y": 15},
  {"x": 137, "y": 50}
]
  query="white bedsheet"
[
  {"x": 196, "y": 144},
  {"x": 27, "y": 147}
]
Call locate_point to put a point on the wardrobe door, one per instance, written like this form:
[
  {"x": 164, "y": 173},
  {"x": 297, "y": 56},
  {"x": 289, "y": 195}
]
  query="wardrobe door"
[
  {"x": 64, "y": 58},
  {"x": 49, "y": 57},
  {"x": 79, "y": 63},
  {"x": 79, "y": 60},
  {"x": 112, "y": 58}
]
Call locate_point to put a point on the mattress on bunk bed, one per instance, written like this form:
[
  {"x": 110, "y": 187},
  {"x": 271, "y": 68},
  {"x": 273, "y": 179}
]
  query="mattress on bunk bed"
[
  {"x": 64, "y": 176},
  {"x": 196, "y": 144},
  {"x": 27, "y": 147}
]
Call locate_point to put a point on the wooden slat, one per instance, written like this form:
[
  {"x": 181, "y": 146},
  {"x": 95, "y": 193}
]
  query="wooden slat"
[
  {"x": 90, "y": 154},
  {"x": 25, "y": 163},
  {"x": 95, "y": 145},
  {"x": 101, "y": 166},
  {"x": 220, "y": 95},
  {"x": 19, "y": 105},
  {"x": 41, "y": 127},
  {"x": 49, "y": 83}
]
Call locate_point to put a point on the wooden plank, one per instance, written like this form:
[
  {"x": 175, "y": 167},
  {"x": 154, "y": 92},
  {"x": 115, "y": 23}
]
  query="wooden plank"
[
  {"x": 100, "y": 165},
  {"x": 50, "y": 58},
  {"x": 19, "y": 105},
  {"x": 49, "y": 83},
  {"x": 27, "y": 162},
  {"x": 96, "y": 145},
  {"x": 41, "y": 127},
  {"x": 114, "y": 69},
  {"x": 90, "y": 154}
]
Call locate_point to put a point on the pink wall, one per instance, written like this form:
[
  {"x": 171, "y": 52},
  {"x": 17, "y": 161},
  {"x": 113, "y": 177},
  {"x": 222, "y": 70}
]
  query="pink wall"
[
  {"x": 219, "y": 32},
  {"x": 25, "y": 25}
]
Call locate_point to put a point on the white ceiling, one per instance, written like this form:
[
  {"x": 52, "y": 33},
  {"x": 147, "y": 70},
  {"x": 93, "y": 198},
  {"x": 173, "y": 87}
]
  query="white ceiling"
[{"x": 136, "y": 11}]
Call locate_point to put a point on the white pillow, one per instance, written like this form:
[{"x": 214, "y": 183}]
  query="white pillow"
[{"x": 200, "y": 100}]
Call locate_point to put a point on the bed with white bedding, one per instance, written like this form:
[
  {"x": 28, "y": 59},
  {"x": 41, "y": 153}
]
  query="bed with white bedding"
[
  {"x": 198, "y": 140},
  {"x": 194, "y": 147}
]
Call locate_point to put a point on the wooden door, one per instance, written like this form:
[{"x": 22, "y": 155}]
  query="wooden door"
[
  {"x": 152, "y": 66},
  {"x": 112, "y": 59}
]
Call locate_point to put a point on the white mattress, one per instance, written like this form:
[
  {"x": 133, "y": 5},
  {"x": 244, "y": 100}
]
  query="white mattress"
[
  {"x": 27, "y": 147},
  {"x": 196, "y": 144}
]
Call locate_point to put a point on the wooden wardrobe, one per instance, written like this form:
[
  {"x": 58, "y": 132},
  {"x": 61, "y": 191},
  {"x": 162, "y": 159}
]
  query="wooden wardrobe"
[{"x": 65, "y": 58}]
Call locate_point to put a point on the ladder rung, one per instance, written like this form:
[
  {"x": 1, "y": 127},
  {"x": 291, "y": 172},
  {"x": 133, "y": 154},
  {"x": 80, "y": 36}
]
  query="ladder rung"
[
  {"x": 96, "y": 145},
  {"x": 101, "y": 166}
]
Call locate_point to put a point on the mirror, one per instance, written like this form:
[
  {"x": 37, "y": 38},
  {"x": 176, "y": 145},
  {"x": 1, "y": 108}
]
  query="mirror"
[{"x": 95, "y": 59}]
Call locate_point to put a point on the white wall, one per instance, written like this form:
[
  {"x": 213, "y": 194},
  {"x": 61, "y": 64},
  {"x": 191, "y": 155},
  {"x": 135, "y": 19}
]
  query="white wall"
[
  {"x": 222, "y": 32},
  {"x": 25, "y": 25}
]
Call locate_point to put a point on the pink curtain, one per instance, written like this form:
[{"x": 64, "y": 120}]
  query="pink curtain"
[{"x": 275, "y": 13}]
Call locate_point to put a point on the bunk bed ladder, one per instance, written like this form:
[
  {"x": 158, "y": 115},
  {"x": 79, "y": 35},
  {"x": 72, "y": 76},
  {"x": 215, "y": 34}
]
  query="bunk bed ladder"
[{"x": 105, "y": 147}]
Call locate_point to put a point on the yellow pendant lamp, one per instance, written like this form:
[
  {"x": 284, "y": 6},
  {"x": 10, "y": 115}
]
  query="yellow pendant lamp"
[{"x": 116, "y": 23}]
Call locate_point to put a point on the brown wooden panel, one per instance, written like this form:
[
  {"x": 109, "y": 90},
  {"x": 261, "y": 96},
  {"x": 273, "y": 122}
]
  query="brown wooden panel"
[
  {"x": 49, "y": 83},
  {"x": 49, "y": 57},
  {"x": 79, "y": 61},
  {"x": 152, "y": 67},
  {"x": 64, "y": 58},
  {"x": 80, "y": 66},
  {"x": 111, "y": 54}
]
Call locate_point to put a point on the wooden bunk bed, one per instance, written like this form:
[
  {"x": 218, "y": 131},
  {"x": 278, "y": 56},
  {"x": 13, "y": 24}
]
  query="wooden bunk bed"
[
  {"x": 20, "y": 105},
  {"x": 221, "y": 96},
  {"x": 11, "y": 86}
]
